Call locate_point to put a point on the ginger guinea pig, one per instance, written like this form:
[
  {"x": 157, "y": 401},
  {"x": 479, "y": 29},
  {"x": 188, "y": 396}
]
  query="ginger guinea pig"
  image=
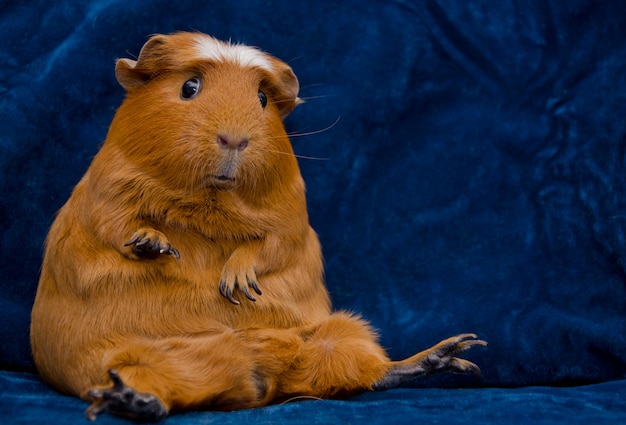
[{"x": 182, "y": 273}]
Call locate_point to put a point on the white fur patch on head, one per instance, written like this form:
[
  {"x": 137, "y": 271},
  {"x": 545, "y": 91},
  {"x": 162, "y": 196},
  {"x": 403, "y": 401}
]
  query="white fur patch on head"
[{"x": 246, "y": 56}]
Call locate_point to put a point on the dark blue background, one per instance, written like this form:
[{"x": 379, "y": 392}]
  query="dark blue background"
[{"x": 470, "y": 172}]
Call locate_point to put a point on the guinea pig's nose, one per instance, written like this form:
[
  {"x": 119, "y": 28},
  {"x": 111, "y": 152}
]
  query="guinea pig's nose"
[{"x": 227, "y": 142}]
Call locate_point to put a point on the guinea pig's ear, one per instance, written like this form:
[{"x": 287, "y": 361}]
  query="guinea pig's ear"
[
  {"x": 285, "y": 85},
  {"x": 131, "y": 74}
]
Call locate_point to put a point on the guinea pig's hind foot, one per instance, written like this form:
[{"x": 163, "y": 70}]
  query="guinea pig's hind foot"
[
  {"x": 440, "y": 358},
  {"x": 121, "y": 400}
]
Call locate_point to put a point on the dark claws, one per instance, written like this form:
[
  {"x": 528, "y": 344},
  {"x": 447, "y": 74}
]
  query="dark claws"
[
  {"x": 145, "y": 242},
  {"x": 254, "y": 286},
  {"x": 168, "y": 250},
  {"x": 118, "y": 385},
  {"x": 247, "y": 293},
  {"x": 228, "y": 292},
  {"x": 229, "y": 295},
  {"x": 133, "y": 240},
  {"x": 143, "y": 246}
]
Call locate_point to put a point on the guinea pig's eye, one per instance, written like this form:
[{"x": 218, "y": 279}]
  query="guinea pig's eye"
[
  {"x": 191, "y": 88},
  {"x": 262, "y": 99}
]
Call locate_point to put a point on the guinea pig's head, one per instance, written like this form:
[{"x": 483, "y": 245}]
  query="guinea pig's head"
[{"x": 202, "y": 113}]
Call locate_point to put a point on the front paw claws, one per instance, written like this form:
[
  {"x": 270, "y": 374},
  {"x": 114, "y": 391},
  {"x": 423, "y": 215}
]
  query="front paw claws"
[
  {"x": 230, "y": 282},
  {"x": 151, "y": 243}
]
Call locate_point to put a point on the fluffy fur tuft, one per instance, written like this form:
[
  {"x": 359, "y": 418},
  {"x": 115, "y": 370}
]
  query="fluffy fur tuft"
[{"x": 219, "y": 51}]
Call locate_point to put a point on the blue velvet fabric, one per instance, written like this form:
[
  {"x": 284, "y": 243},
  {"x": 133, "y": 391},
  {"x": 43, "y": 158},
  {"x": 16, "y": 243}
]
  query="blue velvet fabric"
[
  {"x": 25, "y": 400},
  {"x": 466, "y": 171}
]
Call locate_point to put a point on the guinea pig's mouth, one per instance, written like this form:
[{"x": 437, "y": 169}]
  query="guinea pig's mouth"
[{"x": 221, "y": 180}]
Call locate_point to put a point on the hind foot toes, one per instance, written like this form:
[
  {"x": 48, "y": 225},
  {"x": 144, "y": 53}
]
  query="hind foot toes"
[
  {"x": 440, "y": 358},
  {"x": 121, "y": 400}
]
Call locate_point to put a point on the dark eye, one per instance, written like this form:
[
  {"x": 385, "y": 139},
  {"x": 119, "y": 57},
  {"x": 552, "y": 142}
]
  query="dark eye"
[
  {"x": 191, "y": 88},
  {"x": 262, "y": 99}
]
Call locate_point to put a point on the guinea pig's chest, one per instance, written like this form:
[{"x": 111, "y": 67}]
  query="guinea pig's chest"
[{"x": 217, "y": 215}]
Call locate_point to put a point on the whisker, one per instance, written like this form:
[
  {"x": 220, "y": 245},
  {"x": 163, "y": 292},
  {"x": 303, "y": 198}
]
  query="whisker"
[
  {"x": 305, "y": 98},
  {"x": 321, "y": 96},
  {"x": 302, "y": 397},
  {"x": 313, "y": 158},
  {"x": 311, "y": 133},
  {"x": 308, "y": 86},
  {"x": 297, "y": 156}
]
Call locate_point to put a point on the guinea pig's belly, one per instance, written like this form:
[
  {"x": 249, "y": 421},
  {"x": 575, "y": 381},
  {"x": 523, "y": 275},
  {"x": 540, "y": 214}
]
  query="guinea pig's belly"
[
  {"x": 161, "y": 304},
  {"x": 173, "y": 296}
]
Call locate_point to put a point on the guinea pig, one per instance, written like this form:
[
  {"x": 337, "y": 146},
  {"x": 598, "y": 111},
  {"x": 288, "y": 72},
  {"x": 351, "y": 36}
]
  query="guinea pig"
[{"x": 182, "y": 273}]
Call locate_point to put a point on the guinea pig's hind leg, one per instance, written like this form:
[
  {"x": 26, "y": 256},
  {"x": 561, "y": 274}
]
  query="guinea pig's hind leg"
[
  {"x": 150, "y": 243},
  {"x": 439, "y": 358},
  {"x": 122, "y": 400}
]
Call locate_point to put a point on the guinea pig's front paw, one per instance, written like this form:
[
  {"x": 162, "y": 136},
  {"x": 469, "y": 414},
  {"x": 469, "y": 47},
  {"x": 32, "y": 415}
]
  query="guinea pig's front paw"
[
  {"x": 150, "y": 243},
  {"x": 238, "y": 278}
]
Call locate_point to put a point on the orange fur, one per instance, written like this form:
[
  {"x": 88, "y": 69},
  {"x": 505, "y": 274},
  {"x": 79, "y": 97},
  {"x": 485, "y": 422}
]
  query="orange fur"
[{"x": 159, "y": 318}]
